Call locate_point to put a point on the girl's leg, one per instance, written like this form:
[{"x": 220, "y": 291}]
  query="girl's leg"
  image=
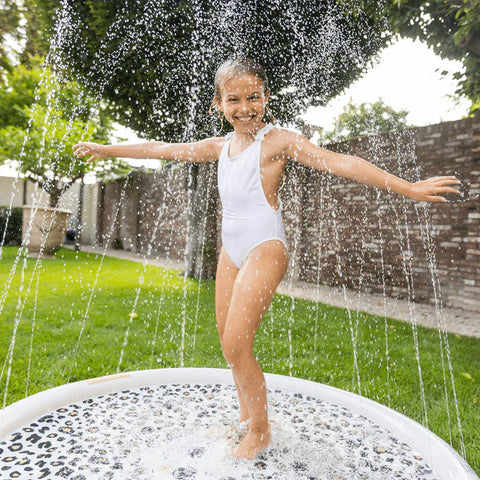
[
  {"x": 253, "y": 290},
  {"x": 225, "y": 278}
]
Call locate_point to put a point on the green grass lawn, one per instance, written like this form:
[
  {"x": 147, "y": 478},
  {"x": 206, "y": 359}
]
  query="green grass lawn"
[{"x": 78, "y": 316}]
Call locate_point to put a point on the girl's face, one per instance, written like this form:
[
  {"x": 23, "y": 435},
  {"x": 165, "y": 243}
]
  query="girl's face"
[{"x": 243, "y": 101}]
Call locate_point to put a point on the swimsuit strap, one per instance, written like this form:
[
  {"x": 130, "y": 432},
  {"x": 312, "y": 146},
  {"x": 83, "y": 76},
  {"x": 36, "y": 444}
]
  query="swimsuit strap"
[{"x": 260, "y": 136}]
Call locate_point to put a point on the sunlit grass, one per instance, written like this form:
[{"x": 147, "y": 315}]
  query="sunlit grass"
[{"x": 88, "y": 317}]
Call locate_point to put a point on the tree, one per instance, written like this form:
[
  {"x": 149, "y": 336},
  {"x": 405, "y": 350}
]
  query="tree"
[
  {"x": 365, "y": 119},
  {"x": 311, "y": 49},
  {"x": 155, "y": 60},
  {"x": 22, "y": 34},
  {"x": 9, "y": 29},
  {"x": 451, "y": 28},
  {"x": 40, "y": 120}
]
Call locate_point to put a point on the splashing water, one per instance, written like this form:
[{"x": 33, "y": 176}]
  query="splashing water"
[
  {"x": 137, "y": 38},
  {"x": 185, "y": 431}
]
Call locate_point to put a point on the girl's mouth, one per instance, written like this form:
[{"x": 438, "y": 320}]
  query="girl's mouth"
[{"x": 245, "y": 118}]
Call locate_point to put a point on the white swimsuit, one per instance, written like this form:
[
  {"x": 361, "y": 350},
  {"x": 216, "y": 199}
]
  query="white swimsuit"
[{"x": 247, "y": 218}]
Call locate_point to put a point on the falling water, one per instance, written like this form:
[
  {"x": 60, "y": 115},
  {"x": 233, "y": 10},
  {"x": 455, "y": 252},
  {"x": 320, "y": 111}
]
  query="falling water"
[
  {"x": 295, "y": 200},
  {"x": 32, "y": 334},
  {"x": 93, "y": 288},
  {"x": 128, "y": 37},
  {"x": 427, "y": 237},
  {"x": 384, "y": 294},
  {"x": 163, "y": 289}
]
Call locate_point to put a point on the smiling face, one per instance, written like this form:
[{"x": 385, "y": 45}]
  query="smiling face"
[{"x": 243, "y": 101}]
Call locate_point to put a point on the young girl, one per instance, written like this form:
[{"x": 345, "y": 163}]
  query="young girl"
[{"x": 254, "y": 257}]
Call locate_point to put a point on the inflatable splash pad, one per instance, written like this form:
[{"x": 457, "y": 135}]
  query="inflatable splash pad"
[{"x": 182, "y": 424}]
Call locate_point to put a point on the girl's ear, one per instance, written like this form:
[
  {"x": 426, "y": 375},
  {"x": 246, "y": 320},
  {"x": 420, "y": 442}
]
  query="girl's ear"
[
  {"x": 215, "y": 105},
  {"x": 267, "y": 95}
]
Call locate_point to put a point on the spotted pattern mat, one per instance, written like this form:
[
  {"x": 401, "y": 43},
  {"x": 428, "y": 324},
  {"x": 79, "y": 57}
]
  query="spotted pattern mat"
[{"x": 186, "y": 432}]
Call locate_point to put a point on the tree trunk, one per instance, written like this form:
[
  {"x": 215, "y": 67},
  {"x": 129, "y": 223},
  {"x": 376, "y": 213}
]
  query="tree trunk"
[
  {"x": 55, "y": 195},
  {"x": 202, "y": 221}
]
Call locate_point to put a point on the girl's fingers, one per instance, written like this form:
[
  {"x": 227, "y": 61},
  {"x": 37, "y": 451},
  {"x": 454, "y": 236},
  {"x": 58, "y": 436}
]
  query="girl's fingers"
[
  {"x": 78, "y": 146},
  {"x": 447, "y": 181},
  {"x": 81, "y": 151},
  {"x": 449, "y": 189},
  {"x": 435, "y": 197},
  {"x": 443, "y": 177}
]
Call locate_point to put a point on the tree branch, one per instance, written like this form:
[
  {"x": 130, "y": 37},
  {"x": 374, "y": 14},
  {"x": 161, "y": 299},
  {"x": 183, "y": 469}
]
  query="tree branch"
[{"x": 471, "y": 44}]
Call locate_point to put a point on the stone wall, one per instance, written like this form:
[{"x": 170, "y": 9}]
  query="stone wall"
[
  {"x": 339, "y": 232},
  {"x": 150, "y": 208},
  {"x": 369, "y": 239}
]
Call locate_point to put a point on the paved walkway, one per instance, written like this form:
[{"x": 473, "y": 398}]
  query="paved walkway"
[{"x": 458, "y": 320}]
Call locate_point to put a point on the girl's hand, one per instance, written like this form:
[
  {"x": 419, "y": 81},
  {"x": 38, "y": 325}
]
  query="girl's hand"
[
  {"x": 81, "y": 149},
  {"x": 428, "y": 190}
]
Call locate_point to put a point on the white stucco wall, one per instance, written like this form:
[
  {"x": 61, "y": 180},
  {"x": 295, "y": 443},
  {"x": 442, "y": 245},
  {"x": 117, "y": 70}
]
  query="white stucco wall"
[
  {"x": 11, "y": 191},
  {"x": 89, "y": 214},
  {"x": 11, "y": 194}
]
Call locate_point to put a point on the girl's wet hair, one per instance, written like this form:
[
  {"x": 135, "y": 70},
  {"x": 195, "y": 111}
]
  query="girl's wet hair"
[{"x": 236, "y": 68}]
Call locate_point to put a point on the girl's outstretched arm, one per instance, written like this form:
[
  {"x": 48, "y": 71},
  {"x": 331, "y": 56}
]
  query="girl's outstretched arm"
[
  {"x": 359, "y": 170},
  {"x": 204, "y": 151}
]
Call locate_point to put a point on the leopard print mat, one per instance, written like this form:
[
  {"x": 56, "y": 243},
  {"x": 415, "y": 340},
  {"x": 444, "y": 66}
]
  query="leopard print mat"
[{"x": 187, "y": 432}]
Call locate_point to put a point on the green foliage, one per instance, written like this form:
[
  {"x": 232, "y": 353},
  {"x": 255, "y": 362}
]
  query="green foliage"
[
  {"x": 365, "y": 119},
  {"x": 149, "y": 58},
  {"x": 155, "y": 61},
  {"x": 18, "y": 95},
  {"x": 22, "y": 30},
  {"x": 451, "y": 28},
  {"x": 9, "y": 27},
  {"x": 40, "y": 120},
  {"x": 11, "y": 226},
  {"x": 35, "y": 34}
]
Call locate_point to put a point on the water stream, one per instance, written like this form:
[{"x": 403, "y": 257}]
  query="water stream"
[{"x": 137, "y": 36}]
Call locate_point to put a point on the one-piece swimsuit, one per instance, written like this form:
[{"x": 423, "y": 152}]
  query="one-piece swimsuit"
[{"x": 248, "y": 220}]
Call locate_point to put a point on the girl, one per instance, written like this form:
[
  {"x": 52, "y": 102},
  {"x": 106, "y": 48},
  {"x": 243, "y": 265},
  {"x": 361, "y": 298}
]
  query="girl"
[{"x": 254, "y": 258}]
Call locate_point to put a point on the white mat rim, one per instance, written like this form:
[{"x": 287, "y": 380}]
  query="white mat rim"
[{"x": 441, "y": 457}]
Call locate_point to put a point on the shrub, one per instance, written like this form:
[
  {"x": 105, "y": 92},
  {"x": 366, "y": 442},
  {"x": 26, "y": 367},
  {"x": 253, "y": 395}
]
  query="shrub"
[{"x": 11, "y": 220}]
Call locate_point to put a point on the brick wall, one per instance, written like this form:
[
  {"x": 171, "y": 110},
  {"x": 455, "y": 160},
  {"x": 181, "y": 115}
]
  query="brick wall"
[
  {"x": 340, "y": 232},
  {"x": 365, "y": 238},
  {"x": 150, "y": 208}
]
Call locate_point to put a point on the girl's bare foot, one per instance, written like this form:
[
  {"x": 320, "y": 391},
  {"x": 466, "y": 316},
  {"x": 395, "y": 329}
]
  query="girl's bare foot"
[{"x": 253, "y": 443}]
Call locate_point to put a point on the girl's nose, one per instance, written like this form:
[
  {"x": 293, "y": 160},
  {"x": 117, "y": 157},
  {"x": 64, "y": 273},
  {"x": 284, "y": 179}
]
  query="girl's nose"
[{"x": 243, "y": 106}]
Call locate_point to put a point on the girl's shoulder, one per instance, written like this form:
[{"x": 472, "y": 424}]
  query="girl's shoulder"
[
  {"x": 282, "y": 135},
  {"x": 279, "y": 140}
]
